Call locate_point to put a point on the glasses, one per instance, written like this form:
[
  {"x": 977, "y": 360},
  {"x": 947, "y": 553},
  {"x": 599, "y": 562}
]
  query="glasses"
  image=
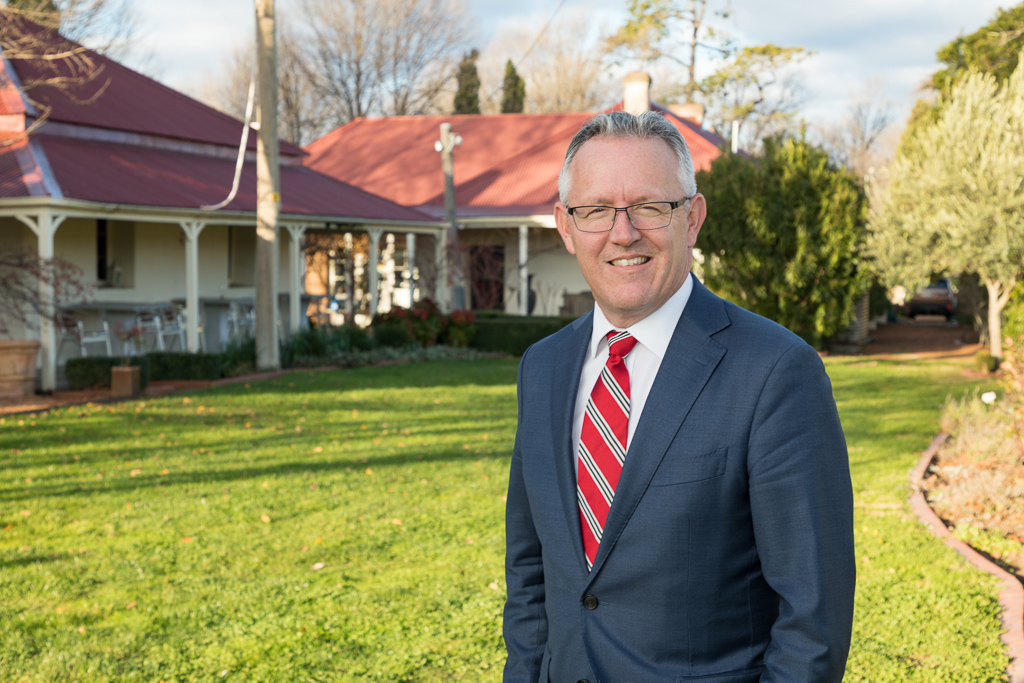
[{"x": 645, "y": 216}]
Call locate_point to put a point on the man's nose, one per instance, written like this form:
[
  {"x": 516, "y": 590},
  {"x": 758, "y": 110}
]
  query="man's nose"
[{"x": 622, "y": 231}]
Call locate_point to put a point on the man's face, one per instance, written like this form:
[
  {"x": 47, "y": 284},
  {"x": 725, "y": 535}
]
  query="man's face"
[{"x": 631, "y": 272}]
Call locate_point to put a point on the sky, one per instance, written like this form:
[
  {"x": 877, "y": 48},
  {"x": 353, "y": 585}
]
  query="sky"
[{"x": 889, "y": 42}]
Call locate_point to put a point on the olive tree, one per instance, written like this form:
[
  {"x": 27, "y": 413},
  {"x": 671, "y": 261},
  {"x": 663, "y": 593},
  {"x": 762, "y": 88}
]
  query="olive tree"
[{"x": 955, "y": 200}]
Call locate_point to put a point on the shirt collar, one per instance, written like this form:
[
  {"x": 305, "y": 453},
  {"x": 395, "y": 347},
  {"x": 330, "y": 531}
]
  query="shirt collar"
[{"x": 654, "y": 331}]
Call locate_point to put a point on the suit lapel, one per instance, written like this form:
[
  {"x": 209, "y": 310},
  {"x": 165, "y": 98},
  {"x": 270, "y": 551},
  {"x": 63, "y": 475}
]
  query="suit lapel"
[
  {"x": 565, "y": 382},
  {"x": 689, "y": 362}
]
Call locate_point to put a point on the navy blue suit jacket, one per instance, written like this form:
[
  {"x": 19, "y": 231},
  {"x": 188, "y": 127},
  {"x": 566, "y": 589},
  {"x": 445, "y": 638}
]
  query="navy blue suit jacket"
[{"x": 727, "y": 555}]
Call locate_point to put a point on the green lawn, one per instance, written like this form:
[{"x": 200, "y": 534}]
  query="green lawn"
[{"x": 347, "y": 526}]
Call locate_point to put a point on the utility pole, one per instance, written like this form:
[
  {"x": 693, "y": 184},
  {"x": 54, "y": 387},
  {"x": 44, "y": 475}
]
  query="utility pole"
[
  {"x": 450, "y": 276},
  {"x": 268, "y": 195}
]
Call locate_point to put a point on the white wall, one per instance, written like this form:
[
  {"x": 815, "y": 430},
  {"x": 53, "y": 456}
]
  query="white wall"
[{"x": 554, "y": 270}]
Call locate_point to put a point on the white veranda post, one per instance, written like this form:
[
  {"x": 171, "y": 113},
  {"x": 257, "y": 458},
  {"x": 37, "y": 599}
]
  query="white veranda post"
[
  {"x": 375, "y": 235},
  {"x": 410, "y": 262},
  {"x": 192, "y": 230},
  {"x": 45, "y": 225},
  {"x": 297, "y": 270},
  {"x": 524, "y": 275}
]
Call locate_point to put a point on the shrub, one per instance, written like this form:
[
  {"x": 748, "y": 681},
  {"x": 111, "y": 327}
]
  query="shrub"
[
  {"x": 423, "y": 321},
  {"x": 89, "y": 373},
  {"x": 514, "y": 334},
  {"x": 984, "y": 360},
  {"x": 393, "y": 334},
  {"x": 460, "y": 329},
  {"x": 239, "y": 356},
  {"x": 185, "y": 366}
]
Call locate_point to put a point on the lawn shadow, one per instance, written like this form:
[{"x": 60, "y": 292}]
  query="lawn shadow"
[
  {"x": 29, "y": 560},
  {"x": 219, "y": 476}
]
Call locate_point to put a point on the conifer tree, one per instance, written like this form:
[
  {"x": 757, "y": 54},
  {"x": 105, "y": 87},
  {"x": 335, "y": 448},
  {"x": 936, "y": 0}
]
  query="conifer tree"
[
  {"x": 513, "y": 91},
  {"x": 467, "y": 97}
]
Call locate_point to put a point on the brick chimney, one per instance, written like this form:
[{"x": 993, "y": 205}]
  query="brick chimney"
[
  {"x": 692, "y": 111},
  {"x": 637, "y": 92}
]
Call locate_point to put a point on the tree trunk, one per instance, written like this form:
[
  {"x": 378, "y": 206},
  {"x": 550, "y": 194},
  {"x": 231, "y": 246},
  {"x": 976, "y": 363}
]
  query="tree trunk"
[{"x": 998, "y": 295}]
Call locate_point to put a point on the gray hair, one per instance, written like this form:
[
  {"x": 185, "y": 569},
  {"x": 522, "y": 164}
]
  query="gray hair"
[{"x": 649, "y": 125}]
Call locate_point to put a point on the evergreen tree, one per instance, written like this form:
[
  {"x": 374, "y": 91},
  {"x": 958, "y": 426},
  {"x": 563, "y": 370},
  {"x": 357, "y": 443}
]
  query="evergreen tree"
[
  {"x": 513, "y": 91},
  {"x": 783, "y": 236},
  {"x": 467, "y": 97},
  {"x": 993, "y": 49}
]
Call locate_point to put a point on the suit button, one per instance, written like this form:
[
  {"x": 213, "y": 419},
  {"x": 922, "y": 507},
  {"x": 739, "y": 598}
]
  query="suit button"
[{"x": 590, "y": 602}]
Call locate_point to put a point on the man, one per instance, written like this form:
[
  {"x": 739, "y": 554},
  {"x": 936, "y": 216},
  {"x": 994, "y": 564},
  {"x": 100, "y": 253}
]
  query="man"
[{"x": 679, "y": 503}]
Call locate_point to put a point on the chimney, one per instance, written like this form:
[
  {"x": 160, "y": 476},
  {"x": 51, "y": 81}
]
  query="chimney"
[
  {"x": 637, "y": 95},
  {"x": 691, "y": 111}
]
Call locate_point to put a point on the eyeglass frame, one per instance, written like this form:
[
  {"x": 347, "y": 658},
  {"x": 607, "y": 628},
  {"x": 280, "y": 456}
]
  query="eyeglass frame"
[{"x": 571, "y": 210}]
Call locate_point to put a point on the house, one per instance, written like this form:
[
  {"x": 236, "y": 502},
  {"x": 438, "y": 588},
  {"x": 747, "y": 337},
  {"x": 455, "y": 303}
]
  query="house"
[
  {"x": 506, "y": 184},
  {"x": 110, "y": 170}
]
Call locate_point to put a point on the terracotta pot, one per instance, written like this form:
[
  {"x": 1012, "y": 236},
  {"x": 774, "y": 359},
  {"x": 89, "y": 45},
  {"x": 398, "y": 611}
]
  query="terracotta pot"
[
  {"x": 18, "y": 367},
  {"x": 125, "y": 381}
]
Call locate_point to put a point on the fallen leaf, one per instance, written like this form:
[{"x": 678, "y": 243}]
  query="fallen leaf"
[
  {"x": 369, "y": 471},
  {"x": 265, "y": 518},
  {"x": 266, "y": 485},
  {"x": 165, "y": 473},
  {"x": 81, "y": 629},
  {"x": 318, "y": 566},
  {"x": 396, "y": 521},
  {"x": 134, "y": 473},
  {"x": 131, "y": 605},
  {"x": 469, "y": 541},
  {"x": 493, "y": 586},
  {"x": 318, "y": 449},
  {"x": 26, "y": 513},
  {"x": 186, "y": 539}
]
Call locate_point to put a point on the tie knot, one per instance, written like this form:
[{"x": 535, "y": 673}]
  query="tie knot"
[{"x": 620, "y": 344}]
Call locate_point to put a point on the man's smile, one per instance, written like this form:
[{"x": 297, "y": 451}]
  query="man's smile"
[{"x": 634, "y": 261}]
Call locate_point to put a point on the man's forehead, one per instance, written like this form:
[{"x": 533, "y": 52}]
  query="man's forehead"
[{"x": 643, "y": 167}]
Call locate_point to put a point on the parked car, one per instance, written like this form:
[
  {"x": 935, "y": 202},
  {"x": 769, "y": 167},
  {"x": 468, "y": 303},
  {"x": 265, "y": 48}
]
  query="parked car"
[{"x": 938, "y": 298}]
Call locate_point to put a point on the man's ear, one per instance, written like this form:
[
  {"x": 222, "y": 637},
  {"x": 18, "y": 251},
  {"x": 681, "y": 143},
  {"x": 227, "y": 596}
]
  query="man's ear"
[
  {"x": 564, "y": 224},
  {"x": 695, "y": 219}
]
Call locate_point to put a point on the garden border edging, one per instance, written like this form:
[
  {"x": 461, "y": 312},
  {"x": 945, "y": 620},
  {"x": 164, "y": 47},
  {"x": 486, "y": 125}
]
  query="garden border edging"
[{"x": 1011, "y": 594}]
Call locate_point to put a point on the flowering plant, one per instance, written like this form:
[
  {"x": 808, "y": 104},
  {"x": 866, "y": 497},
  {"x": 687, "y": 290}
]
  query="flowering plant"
[{"x": 131, "y": 341}]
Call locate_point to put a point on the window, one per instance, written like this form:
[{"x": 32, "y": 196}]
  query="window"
[
  {"x": 115, "y": 253},
  {"x": 241, "y": 256}
]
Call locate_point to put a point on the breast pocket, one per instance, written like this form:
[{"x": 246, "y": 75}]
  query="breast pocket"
[{"x": 687, "y": 469}]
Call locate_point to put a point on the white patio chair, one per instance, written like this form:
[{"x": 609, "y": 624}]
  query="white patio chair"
[
  {"x": 149, "y": 323},
  {"x": 92, "y": 337},
  {"x": 168, "y": 324}
]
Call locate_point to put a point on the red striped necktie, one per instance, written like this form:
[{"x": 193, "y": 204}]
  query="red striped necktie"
[{"x": 603, "y": 442}]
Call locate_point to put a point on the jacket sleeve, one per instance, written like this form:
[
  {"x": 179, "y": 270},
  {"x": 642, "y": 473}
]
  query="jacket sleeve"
[
  {"x": 525, "y": 625},
  {"x": 802, "y": 509}
]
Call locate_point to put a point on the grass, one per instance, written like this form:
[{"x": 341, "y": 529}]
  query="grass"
[{"x": 347, "y": 526}]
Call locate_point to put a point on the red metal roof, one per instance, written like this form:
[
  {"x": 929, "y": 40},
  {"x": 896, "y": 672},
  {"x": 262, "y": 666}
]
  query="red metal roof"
[
  {"x": 12, "y": 183},
  {"x": 118, "y": 98},
  {"x": 507, "y": 165},
  {"x": 121, "y": 174},
  {"x": 395, "y": 157}
]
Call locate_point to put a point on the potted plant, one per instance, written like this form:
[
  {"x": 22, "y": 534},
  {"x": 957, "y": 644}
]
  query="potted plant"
[
  {"x": 32, "y": 289},
  {"x": 126, "y": 378}
]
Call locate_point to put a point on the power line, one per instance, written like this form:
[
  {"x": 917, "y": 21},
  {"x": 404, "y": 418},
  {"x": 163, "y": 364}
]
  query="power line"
[{"x": 534, "y": 44}]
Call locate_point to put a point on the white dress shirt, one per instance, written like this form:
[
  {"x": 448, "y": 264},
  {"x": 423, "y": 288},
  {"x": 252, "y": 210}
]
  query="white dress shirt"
[{"x": 653, "y": 335}]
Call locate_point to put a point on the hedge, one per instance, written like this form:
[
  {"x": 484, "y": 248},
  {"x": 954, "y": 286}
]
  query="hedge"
[
  {"x": 180, "y": 365},
  {"x": 514, "y": 334},
  {"x": 87, "y": 373}
]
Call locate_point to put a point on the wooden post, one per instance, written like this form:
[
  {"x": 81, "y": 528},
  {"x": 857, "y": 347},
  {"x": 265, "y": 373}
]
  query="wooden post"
[{"x": 268, "y": 197}]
